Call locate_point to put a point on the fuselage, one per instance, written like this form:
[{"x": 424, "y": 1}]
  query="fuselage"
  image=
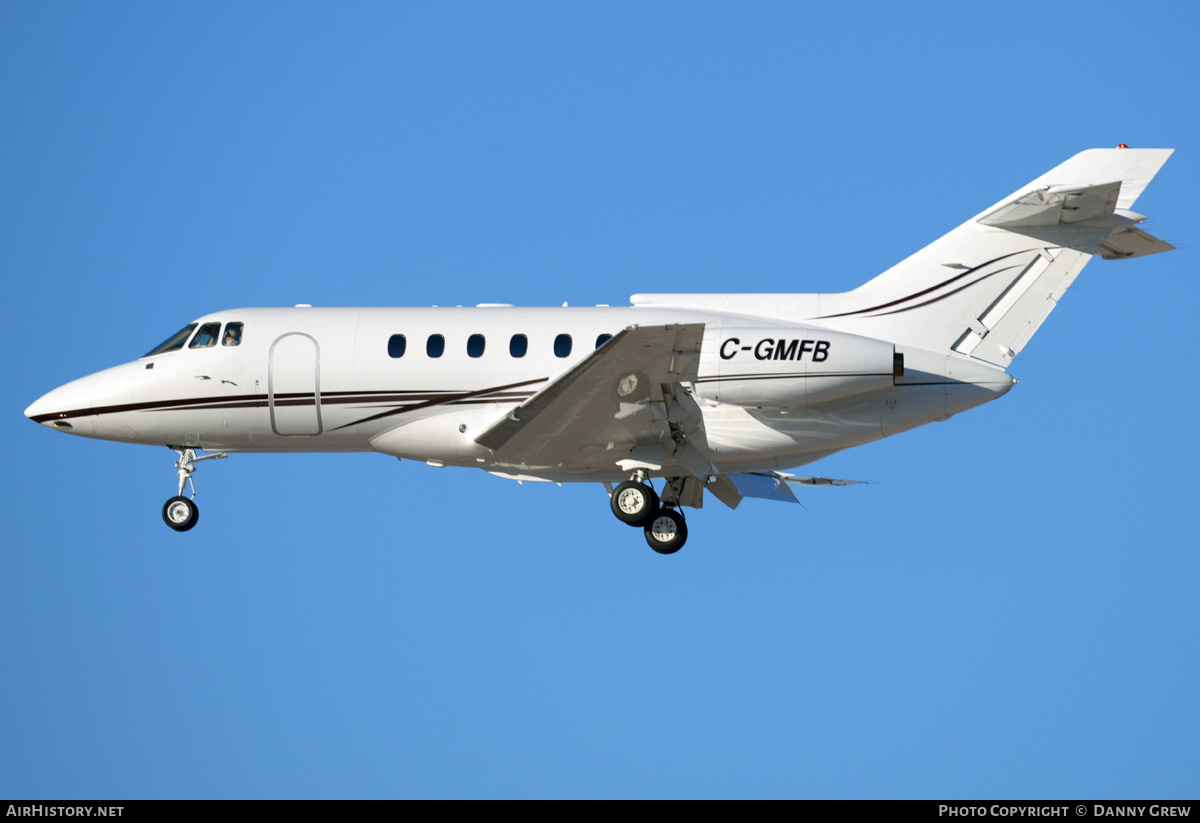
[
  {"x": 709, "y": 393},
  {"x": 773, "y": 395}
]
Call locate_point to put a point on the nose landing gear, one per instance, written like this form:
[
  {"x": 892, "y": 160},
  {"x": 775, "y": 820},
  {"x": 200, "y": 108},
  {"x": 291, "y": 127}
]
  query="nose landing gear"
[{"x": 181, "y": 513}]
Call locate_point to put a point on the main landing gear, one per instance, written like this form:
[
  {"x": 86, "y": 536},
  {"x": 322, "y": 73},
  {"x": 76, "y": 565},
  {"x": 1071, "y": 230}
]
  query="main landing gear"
[
  {"x": 181, "y": 513},
  {"x": 635, "y": 503}
]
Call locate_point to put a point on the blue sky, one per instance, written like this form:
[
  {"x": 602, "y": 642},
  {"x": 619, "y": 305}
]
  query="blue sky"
[{"x": 1008, "y": 610}]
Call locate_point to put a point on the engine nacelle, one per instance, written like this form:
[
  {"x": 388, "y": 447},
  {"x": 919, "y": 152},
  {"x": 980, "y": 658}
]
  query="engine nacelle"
[{"x": 791, "y": 366}]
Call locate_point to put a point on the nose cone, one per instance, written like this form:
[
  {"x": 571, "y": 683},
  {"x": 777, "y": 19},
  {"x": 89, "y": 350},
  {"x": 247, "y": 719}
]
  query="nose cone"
[
  {"x": 73, "y": 407},
  {"x": 49, "y": 407},
  {"x": 57, "y": 410},
  {"x": 40, "y": 408}
]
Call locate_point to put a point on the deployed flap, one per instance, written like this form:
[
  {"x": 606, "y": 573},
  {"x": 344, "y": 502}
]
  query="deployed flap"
[
  {"x": 618, "y": 398},
  {"x": 724, "y": 490},
  {"x": 798, "y": 480},
  {"x": 764, "y": 485},
  {"x": 731, "y": 488}
]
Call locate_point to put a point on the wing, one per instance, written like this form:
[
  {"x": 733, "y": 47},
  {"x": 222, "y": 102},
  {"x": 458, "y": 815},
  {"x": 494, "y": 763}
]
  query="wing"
[{"x": 622, "y": 407}]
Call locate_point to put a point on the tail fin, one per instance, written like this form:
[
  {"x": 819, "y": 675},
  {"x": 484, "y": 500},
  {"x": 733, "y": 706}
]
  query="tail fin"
[{"x": 986, "y": 287}]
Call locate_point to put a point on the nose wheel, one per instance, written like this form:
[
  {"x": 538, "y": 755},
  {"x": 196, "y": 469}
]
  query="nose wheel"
[{"x": 181, "y": 513}]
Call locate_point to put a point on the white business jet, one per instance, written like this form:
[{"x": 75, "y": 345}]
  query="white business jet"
[{"x": 700, "y": 392}]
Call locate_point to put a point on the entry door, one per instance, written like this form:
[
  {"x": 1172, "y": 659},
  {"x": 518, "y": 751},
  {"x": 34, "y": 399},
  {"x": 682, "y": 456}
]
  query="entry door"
[{"x": 294, "y": 385}]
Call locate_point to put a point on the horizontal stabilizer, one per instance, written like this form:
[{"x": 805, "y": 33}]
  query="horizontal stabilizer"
[
  {"x": 1131, "y": 242},
  {"x": 1050, "y": 207}
]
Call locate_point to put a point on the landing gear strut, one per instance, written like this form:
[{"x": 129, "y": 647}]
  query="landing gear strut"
[
  {"x": 635, "y": 503},
  {"x": 181, "y": 513}
]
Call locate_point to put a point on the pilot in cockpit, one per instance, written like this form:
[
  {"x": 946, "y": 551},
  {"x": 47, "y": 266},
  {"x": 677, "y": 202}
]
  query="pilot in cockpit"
[{"x": 233, "y": 335}]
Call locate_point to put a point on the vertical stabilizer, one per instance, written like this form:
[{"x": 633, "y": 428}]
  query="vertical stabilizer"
[{"x": 986, "y": 287}]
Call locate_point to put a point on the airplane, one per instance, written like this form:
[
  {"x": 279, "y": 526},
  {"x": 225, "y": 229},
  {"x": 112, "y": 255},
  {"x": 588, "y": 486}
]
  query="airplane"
[{"x": 717, "y": 393}]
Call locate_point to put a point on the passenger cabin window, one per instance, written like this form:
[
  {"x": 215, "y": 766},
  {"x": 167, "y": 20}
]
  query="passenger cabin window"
[
  {"x": 475, "y": 345},
  {"x": 174, "y": 342},
  {"x": 396, "y": 345},
  {"x": 206, "y": 338},
  {"x": 233, "y": 335},
  {"x": 602, "y": 339},
  {"x": 562, "y": 345},
  {"x": 435, "y": 345},
  {"x": 518, "y": 345}
]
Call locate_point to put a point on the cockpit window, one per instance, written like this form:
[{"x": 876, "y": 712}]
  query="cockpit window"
[
  {"x": 206, "y": 337},
  {"x": 233, "y": 335},
  {"x": 173, "y": 343}
]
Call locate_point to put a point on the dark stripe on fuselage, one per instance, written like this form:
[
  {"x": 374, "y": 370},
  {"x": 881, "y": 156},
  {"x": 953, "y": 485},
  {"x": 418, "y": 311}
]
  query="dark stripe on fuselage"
[
  {"x": 925, "y": 291},
  {"x": 947, "y": 294},
  {"x": 482, "y": 394},
  {"x": 423, "y": 399}
]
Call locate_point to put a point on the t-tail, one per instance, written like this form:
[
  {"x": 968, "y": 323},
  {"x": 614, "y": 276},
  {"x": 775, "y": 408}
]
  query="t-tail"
[{"x": 985, "y": 288}]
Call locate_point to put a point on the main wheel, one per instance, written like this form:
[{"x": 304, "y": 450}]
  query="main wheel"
[
  {"x": 180, "y": 513},
  {"x": 667, "y": 532},
  {"x": 634, "y": 503}
]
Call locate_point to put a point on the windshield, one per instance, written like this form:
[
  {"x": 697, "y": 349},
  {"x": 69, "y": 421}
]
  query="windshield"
[
  {"x": 207, "y": 336},
  {"x": 172, "y": 343}
]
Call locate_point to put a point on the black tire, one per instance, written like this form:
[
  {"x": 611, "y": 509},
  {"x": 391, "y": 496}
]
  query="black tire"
[
  {"x": 180, "y": 513},
  {"x": 634, "y": 503},
  {"x": 666, "y": 532}
]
